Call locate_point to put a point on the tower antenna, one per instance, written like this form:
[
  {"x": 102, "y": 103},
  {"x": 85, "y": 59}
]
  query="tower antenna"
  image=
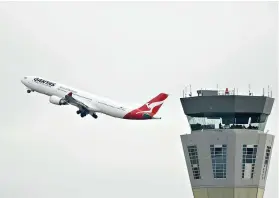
[{"x": 250, "y": 90}]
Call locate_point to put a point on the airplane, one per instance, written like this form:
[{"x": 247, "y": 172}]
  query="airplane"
[{"x": 89, "y": 104}]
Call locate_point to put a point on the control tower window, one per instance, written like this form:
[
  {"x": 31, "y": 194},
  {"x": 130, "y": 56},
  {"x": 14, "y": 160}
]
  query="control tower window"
[
  {"x": 249, "y": 153},
  {"x": 219, "y": 160},
  {"x": 227, "y": 121},
  {"x": 266, "y": 160},
  {"x": 199, "y": 123},
  {"x": 194, "y": 159}
]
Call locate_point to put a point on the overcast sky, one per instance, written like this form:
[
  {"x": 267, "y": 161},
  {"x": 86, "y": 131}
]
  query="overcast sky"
[{"x": 129, "y": 52}]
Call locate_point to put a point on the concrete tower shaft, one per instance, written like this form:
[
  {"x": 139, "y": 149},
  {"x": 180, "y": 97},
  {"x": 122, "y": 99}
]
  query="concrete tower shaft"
[{"x": 227, "y": 153}]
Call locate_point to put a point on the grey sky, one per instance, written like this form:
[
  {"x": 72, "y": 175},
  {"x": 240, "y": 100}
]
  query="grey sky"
[{"x": 129, "y": 52}]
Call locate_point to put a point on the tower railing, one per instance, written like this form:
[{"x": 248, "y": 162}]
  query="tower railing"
[{"x": 222, "y": 92}]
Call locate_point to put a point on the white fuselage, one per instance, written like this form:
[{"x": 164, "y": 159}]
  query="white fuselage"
[{"x": 95, "y": 103}]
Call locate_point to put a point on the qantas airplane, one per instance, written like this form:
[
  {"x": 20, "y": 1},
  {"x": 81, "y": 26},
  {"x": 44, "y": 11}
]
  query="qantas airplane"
[{"x": 87, "y": 103}]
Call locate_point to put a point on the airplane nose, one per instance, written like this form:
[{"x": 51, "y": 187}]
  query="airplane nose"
[{"x": 23, "y": 80}]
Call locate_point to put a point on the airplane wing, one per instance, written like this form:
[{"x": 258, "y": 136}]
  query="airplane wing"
[
  {"x": 69, "y": 99},
  {"x": 83, "y": 108}
]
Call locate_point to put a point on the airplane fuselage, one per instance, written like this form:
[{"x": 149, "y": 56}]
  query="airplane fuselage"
[{"x": 86, "y": 102}]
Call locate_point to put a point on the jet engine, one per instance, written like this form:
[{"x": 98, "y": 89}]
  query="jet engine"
[{"x": 57, "y": 101}]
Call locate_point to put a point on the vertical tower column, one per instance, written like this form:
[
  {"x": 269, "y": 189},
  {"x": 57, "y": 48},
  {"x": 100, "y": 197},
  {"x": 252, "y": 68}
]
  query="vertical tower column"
[{"x": 227, "y": 152}]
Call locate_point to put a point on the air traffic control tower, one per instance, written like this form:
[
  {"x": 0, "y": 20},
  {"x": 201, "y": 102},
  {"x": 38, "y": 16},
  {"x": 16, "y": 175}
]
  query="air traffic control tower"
[{"x": 228, "y": 150}]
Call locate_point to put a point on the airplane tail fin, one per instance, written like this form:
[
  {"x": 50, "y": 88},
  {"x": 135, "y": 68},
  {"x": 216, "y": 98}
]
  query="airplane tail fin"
[{"x": 154, "y": 104}]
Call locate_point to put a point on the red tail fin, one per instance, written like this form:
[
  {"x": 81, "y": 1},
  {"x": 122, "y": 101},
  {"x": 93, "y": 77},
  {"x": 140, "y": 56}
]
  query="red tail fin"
[{"x": 154, "y": 105}]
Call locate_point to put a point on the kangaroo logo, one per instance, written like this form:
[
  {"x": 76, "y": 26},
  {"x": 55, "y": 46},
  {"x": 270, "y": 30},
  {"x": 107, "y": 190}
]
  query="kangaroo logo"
[{"x": 151, "y": 106}]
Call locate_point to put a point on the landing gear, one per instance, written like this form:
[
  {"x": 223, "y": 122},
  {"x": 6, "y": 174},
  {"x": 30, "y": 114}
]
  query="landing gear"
[
  {"x": 83, "y": 114},
  {"x": 94, "y": 116},
  {"x": 28, "y": 91}
]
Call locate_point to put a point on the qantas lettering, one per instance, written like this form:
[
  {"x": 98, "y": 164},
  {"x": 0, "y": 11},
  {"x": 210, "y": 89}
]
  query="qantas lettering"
[{"x": 45, "y": 82}]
